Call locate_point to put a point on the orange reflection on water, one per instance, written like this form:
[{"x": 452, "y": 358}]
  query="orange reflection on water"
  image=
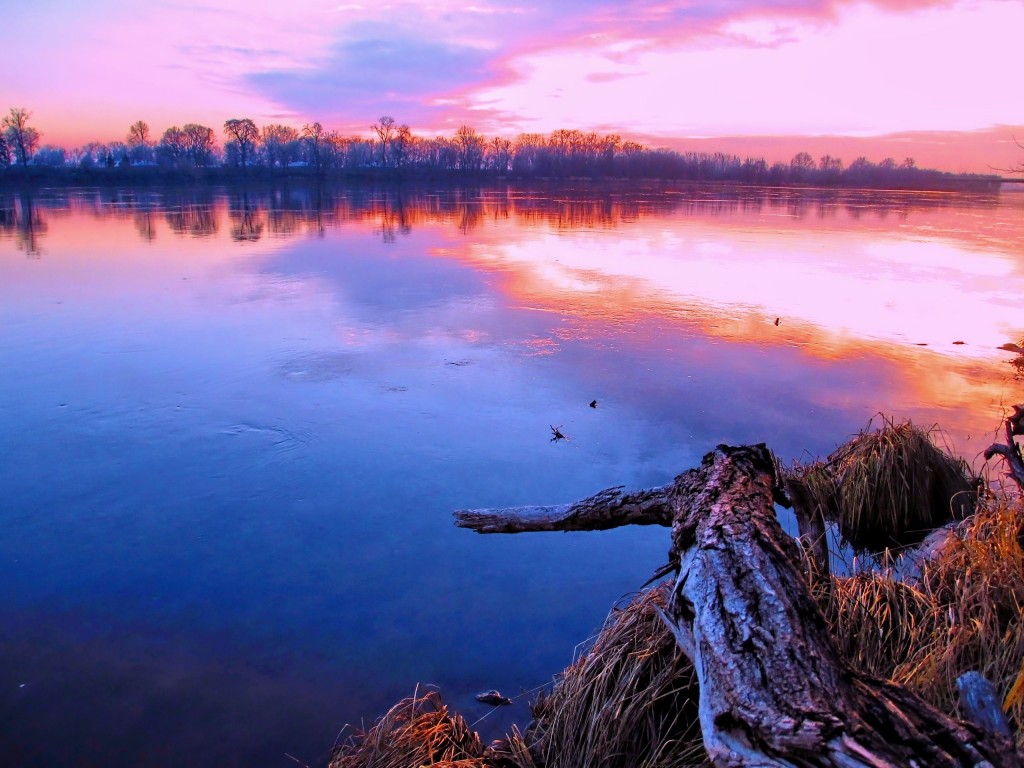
[
  {"x": 889, "y": 279},
  {"x": 934, "y": 293},
  {"x": 844, "y": 286}
]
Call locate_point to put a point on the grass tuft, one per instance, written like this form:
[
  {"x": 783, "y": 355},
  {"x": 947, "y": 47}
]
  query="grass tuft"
[
  {"x": 629, "y": 702},
  {"x": 890, "y": 487},
  {"x": 962, "y": 612},
  {"x": 417, "y": 731}
]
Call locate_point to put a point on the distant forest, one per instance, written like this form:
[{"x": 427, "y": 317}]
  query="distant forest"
[{"x": 393, "y": 151}]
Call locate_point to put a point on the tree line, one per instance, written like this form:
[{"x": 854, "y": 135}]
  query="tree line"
[
  {"x": 251, "y": 211},
  {"x": 393, "y": 150}
]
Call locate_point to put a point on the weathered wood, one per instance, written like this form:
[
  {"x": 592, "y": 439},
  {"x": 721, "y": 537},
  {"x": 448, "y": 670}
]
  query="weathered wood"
[
  {"x": 610, "y": 508},
  {"x": 774, "y": 690},
  {"x": 1011, "y": 451},
  {"x": 979, "y": 701}
]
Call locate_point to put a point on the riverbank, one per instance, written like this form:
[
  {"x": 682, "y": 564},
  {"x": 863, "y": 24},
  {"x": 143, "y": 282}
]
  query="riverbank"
[{"x": 38, "y": 176}]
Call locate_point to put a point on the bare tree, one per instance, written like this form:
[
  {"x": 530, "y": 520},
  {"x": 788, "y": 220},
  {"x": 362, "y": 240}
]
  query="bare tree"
[
  {"x": 401, "y": 145},
  {"x": 499, "y": 154},
  {"x": 138, "y": 133},
  {"x": 609, "y": 147},
  {"x": 313, "y": 133},
  {"x": 5, "y": 152},
  {"x": 279, "y": 144},
  {"x": 21, "y": 138},
  {"x": 801, "y": 164},
  {"x": 385, "y": 128},
  {"x": 55, "y": 157},
  {"x": 172, "y": 145},
  {"x": 245, "y": 134},
  {"x": 831, "y": 169},
  {"x": 1019, "y": 168},
  {"x": 471, "y": 148},
  {"x": 199, "y": 143},
  {"x": 527, "y": 151},
  {"x": 140, "y": 146},
  {"x": 829, "y": 163}
]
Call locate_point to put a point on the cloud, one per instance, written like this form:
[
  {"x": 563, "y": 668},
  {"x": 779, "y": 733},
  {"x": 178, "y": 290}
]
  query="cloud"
[
  {"x": 428, "y": 64},
  {"x": 377, "y": 74},
  {"x": 870, "y": 72},
  {"x": 607, "y": 77},
  {"x": 437, "y": 63}
]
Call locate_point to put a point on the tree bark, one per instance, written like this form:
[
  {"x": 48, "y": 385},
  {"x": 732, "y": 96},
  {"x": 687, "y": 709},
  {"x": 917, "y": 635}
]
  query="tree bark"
[{"x": 774, "y": 690}]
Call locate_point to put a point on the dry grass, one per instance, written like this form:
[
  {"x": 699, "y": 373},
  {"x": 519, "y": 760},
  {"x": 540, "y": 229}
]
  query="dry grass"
[
  {"x": 876, "y": 620},
  {"x": 890, "y": 487},
  {"x": 415, "y": 732},
  {"x": 963, "y": 612},
  {"x": 630, "y": 701}
]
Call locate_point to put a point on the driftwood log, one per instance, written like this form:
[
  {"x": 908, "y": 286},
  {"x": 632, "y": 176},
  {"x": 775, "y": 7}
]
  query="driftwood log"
[{"x": 774, "y": 690}]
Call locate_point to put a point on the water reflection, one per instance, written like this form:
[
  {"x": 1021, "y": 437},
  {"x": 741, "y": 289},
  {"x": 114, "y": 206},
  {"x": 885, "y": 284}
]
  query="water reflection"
[
  {"x": 192, "y": 216},
  {"x": 237, "y": 420},
  {"x": 247, "y": 220},
  {"x": 253, "y": 213},
  {"x": 22, "y": 218},
  {"x": 925, "y": 283}
]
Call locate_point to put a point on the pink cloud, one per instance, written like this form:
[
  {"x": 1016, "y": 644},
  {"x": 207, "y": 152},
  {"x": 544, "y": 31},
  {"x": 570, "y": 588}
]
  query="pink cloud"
[{"x": 868, "y": 73}]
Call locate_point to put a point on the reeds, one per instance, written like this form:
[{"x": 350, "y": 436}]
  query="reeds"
[
  {"x": 962, "y": 612},
  {"x": 629, "y": 702},
  {"x": 889, "y": 487}
]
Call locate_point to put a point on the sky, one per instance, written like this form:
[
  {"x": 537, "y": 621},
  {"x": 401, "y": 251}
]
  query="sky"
[{"x": 936, "y": 80}]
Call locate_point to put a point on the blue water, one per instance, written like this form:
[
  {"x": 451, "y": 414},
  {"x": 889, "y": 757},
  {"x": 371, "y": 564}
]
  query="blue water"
[{"x": 230, "y": 453}]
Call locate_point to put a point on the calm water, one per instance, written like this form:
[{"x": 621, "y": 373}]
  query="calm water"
[{"x": 235, "y": 424}]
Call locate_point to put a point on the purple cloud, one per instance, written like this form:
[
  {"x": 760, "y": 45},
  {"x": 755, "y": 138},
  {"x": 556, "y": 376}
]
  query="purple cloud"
[{"x": 402, "y": 59}]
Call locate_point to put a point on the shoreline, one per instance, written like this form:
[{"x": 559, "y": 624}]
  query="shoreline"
[{"x": 35, "y": 177}]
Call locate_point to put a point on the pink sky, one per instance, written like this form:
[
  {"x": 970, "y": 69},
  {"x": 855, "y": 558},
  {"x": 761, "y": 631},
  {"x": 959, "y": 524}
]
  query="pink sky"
[{"x": 930, "y": 79}]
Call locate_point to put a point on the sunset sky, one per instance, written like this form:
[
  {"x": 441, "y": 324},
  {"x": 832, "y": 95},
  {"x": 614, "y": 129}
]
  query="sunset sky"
[{"x": 934, "y": 80}]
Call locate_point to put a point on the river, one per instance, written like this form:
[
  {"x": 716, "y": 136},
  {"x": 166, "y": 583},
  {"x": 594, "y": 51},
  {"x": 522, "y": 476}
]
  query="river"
[{"x": 235, "y": 423}]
